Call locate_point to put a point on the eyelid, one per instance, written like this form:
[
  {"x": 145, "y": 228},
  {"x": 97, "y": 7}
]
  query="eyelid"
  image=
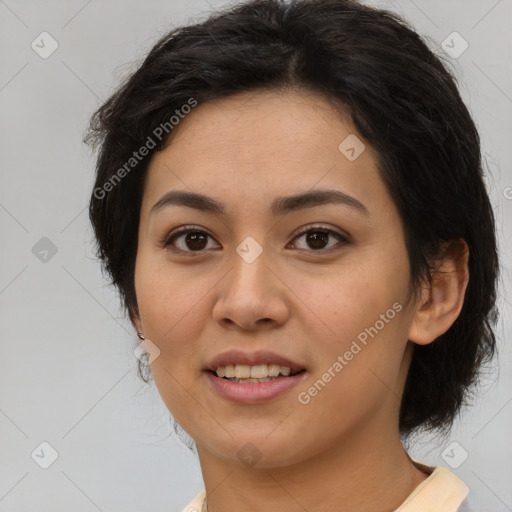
[{"x": 320, "y": 227}]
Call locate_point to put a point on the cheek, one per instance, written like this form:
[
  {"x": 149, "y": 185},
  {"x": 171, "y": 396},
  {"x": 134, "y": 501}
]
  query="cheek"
[
  {"x": 353, "y": 298},
  {"x": 360, "y": 314},
  {"x": 170, "y": 305}
]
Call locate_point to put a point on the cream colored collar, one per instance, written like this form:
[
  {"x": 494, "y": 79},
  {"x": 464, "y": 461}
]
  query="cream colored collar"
[{"x": 442, "y": 491}]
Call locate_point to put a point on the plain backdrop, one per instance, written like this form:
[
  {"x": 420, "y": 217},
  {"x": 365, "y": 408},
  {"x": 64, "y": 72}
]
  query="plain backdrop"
[{"x": 67, "y": 370}]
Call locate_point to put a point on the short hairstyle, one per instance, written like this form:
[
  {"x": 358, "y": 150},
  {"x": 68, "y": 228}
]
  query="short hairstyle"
[{"x": 402, "y": 99}]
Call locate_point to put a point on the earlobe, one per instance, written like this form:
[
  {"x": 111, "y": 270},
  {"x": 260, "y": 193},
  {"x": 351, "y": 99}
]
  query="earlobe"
[{"x": 442, "y": 301}]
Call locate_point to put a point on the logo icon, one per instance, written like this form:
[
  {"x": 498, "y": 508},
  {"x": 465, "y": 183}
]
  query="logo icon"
[
  {"x": 352, "y": 147},
  {"x": 44, "y": 455},
  {"x": 44, "y": 250},
  {"x": 44, "y": 45},
  {"x": 249, "y": 455},
  {"x": 146, "y": 348},
  {"x": 455, "y": 45},
  {"x": 454, "y": 455},
  {"x": 249, "y": 249}
]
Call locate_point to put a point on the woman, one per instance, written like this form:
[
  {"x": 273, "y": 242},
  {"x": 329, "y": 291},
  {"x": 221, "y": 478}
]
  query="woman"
[{"x": 290, "y": 199}]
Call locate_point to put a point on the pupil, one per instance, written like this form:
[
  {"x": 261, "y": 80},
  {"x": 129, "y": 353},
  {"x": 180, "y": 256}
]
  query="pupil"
[
  {"x": 314, "y": 238},
  {"x": 195, "y": 241}
]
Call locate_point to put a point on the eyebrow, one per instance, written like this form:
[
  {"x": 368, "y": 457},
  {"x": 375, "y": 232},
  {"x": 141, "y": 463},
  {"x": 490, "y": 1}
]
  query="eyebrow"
[{"x": 280, "y": 205}]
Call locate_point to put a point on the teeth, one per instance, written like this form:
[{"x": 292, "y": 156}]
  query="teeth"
[
  {"x": 249, "y": 381},
  {"x": 260, "y": 371},
  {"x": 242, "y": 371},
  {"x": 274, "y": 369},
  {"x": 285, "y": 370}
]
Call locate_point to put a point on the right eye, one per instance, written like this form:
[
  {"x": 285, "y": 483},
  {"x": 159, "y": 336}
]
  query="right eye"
[{"x": 190, "y": 239}]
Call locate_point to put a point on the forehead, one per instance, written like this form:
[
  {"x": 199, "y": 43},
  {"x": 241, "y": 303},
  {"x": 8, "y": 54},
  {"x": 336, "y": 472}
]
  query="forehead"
[
  {"x": 271, "y": 124},
  {"x": 256, "y": 145}
]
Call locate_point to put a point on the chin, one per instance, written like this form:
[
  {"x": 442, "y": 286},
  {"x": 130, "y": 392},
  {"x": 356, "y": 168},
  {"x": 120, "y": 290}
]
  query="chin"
[{"x": 261, "y": 450}]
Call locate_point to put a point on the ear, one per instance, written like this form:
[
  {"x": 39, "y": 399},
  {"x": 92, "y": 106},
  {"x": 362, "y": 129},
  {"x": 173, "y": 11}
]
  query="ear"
[{"x": 442, "y": 301}]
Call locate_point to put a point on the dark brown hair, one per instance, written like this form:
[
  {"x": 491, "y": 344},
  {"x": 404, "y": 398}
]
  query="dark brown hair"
[{"x": 403, "y": 101}]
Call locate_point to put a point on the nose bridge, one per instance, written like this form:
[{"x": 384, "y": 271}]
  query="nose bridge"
[
  {"x": 249, "y": 265},
  {"x": 251, "y": 291}
]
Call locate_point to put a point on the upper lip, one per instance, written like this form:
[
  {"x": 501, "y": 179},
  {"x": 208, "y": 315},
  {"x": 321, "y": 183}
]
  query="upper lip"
[{"x": 234, "y": 357}]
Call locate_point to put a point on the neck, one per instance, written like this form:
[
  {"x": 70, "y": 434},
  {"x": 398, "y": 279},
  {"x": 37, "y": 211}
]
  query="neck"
[{"x": 368, "y": 471}]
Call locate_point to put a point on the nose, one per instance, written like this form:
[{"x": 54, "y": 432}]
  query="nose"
[{"x": 251, "y": 297}]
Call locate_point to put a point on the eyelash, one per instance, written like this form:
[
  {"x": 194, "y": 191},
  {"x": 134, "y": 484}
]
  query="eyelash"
[{"x": 309, "y": 229}]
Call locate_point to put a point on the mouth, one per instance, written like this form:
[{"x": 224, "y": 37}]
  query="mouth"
[
  {"x": 250, "y": 390},
  {"x": 253, "y": 377}
]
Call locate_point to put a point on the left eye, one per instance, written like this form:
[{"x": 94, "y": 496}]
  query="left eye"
[{"x": 316, "y": 238}]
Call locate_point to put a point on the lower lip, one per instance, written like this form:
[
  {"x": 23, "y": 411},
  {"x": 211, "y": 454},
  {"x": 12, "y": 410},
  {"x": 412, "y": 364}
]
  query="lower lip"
[{"x": 253, "y": 392}]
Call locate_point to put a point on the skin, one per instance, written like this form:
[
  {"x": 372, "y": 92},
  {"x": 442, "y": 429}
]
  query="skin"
[{"x": 341, "y": 451}]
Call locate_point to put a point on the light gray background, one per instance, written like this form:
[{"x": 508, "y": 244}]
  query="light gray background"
[{"x": 67, "y": 370}]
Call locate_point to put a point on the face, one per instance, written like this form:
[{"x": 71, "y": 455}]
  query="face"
[{"x": 322, "y": 283}]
